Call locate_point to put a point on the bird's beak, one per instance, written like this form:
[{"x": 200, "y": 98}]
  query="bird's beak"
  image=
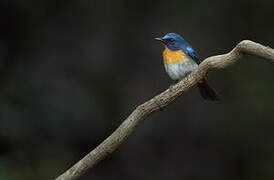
[{"x": 159, "y": 39}]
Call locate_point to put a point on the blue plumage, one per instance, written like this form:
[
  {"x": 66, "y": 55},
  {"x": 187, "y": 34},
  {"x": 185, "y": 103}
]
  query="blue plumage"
[
  {"x": 176, "y": 42},
  {"x": 176, "y": 71}
]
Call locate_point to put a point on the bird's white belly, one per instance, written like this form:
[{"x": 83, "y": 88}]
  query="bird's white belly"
[{"x": 181, "y": 69}]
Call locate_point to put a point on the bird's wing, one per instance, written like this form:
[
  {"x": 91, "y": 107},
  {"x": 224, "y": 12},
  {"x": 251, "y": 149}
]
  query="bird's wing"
[{"x": 190, "y": 52}]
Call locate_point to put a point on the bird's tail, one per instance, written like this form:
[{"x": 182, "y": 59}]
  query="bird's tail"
[{"x": 207, "y": 92}]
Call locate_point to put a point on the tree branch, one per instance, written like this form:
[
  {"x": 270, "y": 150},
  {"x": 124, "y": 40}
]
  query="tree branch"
[{"x": 161, "y": 101}]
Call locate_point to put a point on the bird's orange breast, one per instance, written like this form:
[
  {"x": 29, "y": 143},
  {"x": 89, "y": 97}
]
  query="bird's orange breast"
[{"x": 173, "y": 57}]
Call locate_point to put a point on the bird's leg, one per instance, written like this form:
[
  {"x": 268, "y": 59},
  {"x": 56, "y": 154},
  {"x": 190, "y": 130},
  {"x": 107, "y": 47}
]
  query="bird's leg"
[{"x": 173, "y": 84}]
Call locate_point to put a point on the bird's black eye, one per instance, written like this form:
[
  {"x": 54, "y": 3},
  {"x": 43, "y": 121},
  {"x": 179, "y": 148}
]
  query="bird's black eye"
[{"x": 171, "y": 40}]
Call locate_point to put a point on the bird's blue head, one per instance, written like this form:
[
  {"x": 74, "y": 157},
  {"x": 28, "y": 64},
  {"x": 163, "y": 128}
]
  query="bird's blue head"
[{"x": 173, "y": 41}]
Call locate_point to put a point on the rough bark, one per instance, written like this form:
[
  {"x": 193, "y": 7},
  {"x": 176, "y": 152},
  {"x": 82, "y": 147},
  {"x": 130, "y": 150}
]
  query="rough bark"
[{"x": 162, "y": 100}]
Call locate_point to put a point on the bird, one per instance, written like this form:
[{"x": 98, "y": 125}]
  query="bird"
[{"x": 180, "y": 59}]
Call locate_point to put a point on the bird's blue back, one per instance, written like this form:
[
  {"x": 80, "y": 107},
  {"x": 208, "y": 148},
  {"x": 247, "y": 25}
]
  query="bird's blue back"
[{"x": 180, "y": 44}]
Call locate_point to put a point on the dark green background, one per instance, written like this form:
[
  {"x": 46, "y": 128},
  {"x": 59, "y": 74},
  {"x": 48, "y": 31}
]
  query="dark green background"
[{"x": 72, "y": 71}]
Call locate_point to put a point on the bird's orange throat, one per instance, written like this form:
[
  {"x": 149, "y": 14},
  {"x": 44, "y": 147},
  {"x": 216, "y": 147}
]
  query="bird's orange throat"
[{"x": 173, "y": 57}]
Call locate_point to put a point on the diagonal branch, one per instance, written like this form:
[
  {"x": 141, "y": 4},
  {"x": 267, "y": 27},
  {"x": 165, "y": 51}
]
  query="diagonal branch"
[{"x": 161, "y": 101}]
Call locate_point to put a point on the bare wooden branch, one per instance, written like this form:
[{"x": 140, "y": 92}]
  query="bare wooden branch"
[{"x": 161, "y": 101}]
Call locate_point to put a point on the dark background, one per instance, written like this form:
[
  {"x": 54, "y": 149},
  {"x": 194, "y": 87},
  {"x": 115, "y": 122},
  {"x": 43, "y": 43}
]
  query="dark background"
[{"x": 72, "y": 71}]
